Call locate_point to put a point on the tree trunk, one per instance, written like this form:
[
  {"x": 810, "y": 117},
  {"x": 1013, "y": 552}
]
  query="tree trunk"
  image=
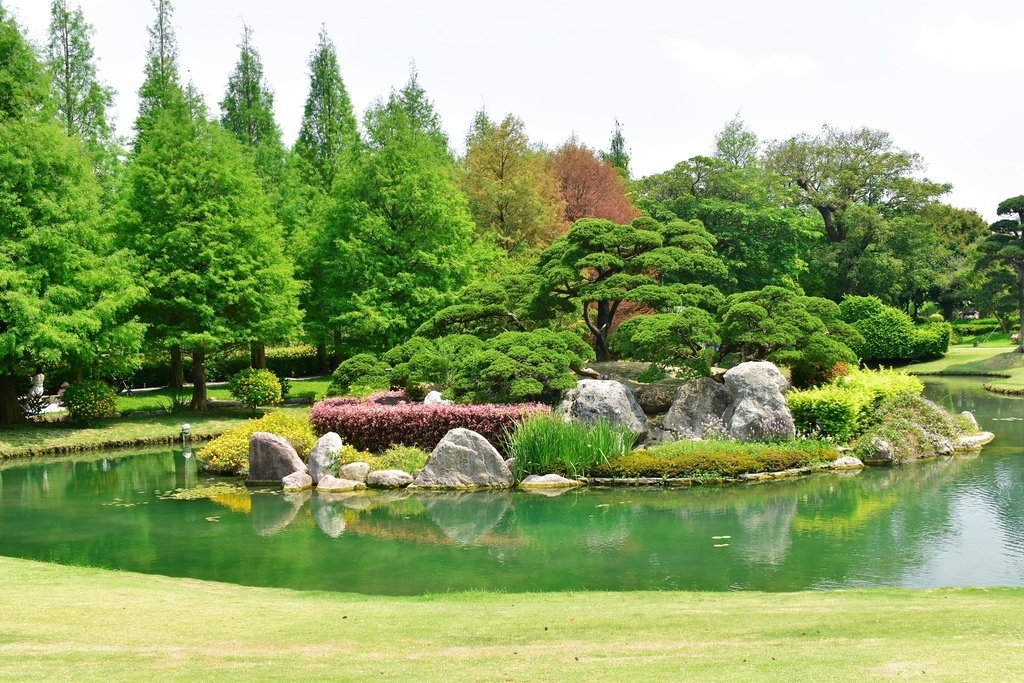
[
  {"x": 177, "y": 380},
  {"x": 258, "y": 356},
  {"x": 321, "y": 358},
  {"x": 10, "y": 409},
  {"x": 603, "y": 325},
  {"x": 198, "y": 380},
  {"x": 1020, "y": 306},
  {"x": 336, "y": 356}
]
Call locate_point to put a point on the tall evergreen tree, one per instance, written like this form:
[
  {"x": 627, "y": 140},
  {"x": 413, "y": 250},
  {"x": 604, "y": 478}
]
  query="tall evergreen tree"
[
  {"x": 207, "y": 242},
  {"x": 329, "y": 130},
  {"x": 617, "y": 155},
  {"x": 161, "y": 88},
  {"x": 400, "y": 242},
  {"x": 64, "y": 293},
  {"x": 247, "y": 111},
  {"x": 81, "y": 100}
]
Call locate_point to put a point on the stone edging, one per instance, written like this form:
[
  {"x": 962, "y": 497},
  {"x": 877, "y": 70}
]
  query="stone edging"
[{"x": 120, "y": 444}]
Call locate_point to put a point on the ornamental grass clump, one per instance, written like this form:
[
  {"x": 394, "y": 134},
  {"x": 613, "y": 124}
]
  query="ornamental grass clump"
[
  {"x": 546, "y": 444},
  {"x": 229, "y": 453},
  {"x": 385, "y": 419}
]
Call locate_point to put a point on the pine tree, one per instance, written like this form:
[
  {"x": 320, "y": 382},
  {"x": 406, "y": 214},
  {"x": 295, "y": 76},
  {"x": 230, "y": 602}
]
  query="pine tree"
[
  {"x": 81, "y": 100},
  {"x": 247, "y": 111},
  {"x": 329, "y": 130},
  {"x": 161, "y": 88}
]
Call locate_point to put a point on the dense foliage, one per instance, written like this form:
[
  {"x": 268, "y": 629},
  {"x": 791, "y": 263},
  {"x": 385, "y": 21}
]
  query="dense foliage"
[
  {"x": 90, "y": 400},
  {"x": 255, "y": 388}
]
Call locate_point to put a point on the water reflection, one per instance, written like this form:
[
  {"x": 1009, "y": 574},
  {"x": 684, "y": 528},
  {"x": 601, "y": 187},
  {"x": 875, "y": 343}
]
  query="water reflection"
[{"x": 952, "y": 521}]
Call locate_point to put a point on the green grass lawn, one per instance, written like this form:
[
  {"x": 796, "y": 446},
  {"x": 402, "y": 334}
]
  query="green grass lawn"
[
  {"x": 34, "y": 438},
  {"x": 162, "y": 399},
  {"x": 67, "y": 623},
  {"x": 1004, "y": 367}
]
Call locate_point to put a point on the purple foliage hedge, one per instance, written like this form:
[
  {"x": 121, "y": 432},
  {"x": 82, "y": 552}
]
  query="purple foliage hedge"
[{"x": 384, "y": 419}]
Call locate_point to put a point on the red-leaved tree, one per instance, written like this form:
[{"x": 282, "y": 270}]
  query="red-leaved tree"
[{"x": 591, "y": 187}]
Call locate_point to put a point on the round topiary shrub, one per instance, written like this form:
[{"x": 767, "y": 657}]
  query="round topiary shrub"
[
  {"x": 255, "y": 387},
  {"x": 89, "y": 400}
]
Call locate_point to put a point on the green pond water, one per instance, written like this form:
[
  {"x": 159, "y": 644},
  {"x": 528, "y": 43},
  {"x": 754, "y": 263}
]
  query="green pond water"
[{"x": 949, "y": 522}]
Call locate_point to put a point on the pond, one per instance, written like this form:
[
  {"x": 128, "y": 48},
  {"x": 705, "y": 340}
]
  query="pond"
[{"x": 950, "y": 522}]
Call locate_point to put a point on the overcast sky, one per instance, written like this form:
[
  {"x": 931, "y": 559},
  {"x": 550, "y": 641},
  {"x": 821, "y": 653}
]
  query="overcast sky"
[{"x": 944, "y": 78}]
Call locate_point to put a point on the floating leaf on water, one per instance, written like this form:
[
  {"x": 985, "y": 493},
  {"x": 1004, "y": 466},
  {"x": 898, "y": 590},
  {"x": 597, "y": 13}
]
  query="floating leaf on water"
[
  {"x": 718, "y": 538},
  {"x": 604, "y": 505},
  {"x": 213, "y": 519},
  {"x": 721, "y": 545}
]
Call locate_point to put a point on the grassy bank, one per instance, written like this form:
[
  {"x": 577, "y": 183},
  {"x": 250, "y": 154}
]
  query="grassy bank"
[
  {"x": 60, "y": 437},
  {"x": 1004, "y": 367},
  {"x": 87, "y": 624},
  {"x": 163, "y": 399}
]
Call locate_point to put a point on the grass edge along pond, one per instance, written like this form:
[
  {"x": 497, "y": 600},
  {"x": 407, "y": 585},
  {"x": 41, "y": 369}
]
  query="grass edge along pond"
[
  {"x": 1005, "y": 367},
  {"x": 94, "y": 624}
]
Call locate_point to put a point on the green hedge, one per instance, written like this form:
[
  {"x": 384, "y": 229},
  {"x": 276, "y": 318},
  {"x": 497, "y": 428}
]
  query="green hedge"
[{"x": 890, "y": 334}]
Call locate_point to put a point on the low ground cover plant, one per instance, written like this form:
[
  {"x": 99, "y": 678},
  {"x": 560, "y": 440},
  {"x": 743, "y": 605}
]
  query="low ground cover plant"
[
  {"x": 406, "y": 458},
  {"x": 385, "y": 419},
  {"x": 911, "y": 426},
  {"x": 229, "y": 453},
  {"x": 546, "y": 443},
  {"x": 714, "y": 459}
]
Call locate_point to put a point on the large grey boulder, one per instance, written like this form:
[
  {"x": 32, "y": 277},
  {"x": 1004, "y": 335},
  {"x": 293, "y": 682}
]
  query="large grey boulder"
[
  {"x": 594, "y": 399},
  {"x": 388, "y": 479},
  {"x": 697, "y": 410},
  {"x": 323, "y": 457},
  {"x": 356, "y": 471},
  {"x": 271, "y": 459},
  {"x": 759, "y": 409},
  {"x": 464, "y": 460}
]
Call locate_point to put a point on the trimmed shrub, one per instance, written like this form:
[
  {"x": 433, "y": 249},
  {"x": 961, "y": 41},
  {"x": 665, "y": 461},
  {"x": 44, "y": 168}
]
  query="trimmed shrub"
[
  {"x": 229, "y": 453},
  {"x": 703, "y": 459},
  {"x": 362, "y": 370},
  {"x": 255, "y": 388},
  {"x": 383, "y": 420},
  {"x": 89, "y": 400},
  {"x": 853, "y": 309},
  {"x": 843, "y": 409},
  {"x": 829, "y": 411},
  {"x": 932, "y": 339},
  {"x": 888, "y": 335},
  {"x": 546, "y": 443}
]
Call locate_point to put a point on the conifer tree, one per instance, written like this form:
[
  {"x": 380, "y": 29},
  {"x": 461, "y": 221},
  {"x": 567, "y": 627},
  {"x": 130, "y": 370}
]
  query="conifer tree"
[
  {"x": 161, "y": 88},
  {"x": 81, "y": 100},
  {"x": 64, "y": 293},
  {"x": 329, "y": 130}
]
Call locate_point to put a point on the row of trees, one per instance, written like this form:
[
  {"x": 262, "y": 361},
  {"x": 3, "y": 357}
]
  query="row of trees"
[{"x": 205, "y": 232}]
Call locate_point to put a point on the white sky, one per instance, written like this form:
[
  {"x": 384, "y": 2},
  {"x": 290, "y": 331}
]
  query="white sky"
[{"x": 942, "y": 77}]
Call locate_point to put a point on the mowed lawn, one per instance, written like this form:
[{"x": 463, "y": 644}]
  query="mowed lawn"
[
  {"x": 66, "y": 623},
  {"x": 1004, "y": 367}
]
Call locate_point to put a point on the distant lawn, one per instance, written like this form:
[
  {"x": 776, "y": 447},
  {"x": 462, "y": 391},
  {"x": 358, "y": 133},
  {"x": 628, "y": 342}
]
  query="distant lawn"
[
  {"x": 37, "y": 437},
  {"x": 162, "y": 399},
  {"x": 993, "y": 340},
  {"x": 68, "y": 623},
  {"x": 1004, "y": 367}
]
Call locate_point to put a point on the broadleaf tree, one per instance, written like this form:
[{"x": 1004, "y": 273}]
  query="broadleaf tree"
[{"x": 1006, "y": 246}]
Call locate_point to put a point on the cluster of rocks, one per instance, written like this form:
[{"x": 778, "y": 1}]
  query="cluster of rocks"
[
  {"x": 746, "y": 403},
  {"x": 463, "y": 460}
]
